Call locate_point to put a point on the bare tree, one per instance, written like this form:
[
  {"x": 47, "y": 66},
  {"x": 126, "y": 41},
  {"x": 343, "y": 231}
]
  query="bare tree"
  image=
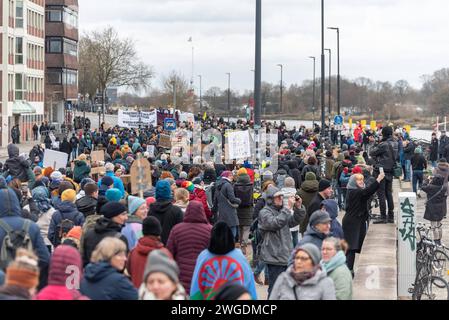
[{"x": 181, "y": 85}]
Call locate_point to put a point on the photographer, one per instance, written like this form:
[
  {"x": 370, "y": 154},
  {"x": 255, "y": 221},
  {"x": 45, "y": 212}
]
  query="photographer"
[{"x": 385, "y": 155}]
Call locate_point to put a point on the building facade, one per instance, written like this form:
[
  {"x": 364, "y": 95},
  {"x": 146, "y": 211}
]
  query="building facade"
[
  {"x": 22, "y": 67},
  {"x": 61, "y": 59}
]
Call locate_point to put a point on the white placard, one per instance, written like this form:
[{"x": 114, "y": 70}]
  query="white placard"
[
  {"x": 132, "y": 119},
  {"x": 55, "y": 159},
  {"x": 239, "y": 145},
  {"x": 186, "y": 117},
  {"x": 150, "y": 150}
]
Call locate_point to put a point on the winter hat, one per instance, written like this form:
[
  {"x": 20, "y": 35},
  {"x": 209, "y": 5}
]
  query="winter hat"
[
  {"x": 112, "y": 209},
  {"x": 209, "y": 176},
  {"x": 183, "y": 175},
  {"x": 64, "y": 257},
  {"x": 226, "y": 174},
  {"x": 68, "y": 195},
  {"x": 267, "y": 175},
  {"x": 188, "y": 185},
  {"x": 113, "y": 194},
  {"x": 107, "y": 181},
  {"x": 85, "y": 181},
  {"x": 319, "y": 217},
  {"x": 344, "y": 147},
  {"x": 163, "y": 190},
  {"x": 56, "y": 176},
  {"x": 151, "y": 226},
  {"x": 310, "y": 176},
  {"x": 48, "y": 171},
  {"x": 387, "y": 132},
  {"x": 150, "y": 200},
  {"x": 75, "y": 233},
  {"x": 323, "y": 185},
  {"x": 242, "y": 171},
  {"x": 230, "y": 291},
  {"x": 22, "y": 272},
  {"x": 222, "y": 240},
  {"x": 134, "y": 203},
  {"x": 313, "y": 252},
  {"x": 158, "y": 261},
  {"x": 357, "y": 170},
  {"x": 82, "y": 157},
  {"x": 418, "y": 150},
  {"x": 109, "y": 167}
]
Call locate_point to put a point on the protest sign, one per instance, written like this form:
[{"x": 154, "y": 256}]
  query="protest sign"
[
  {"x": 239, "y": 145},
  {"x": 97, "y": 156},
  {"x": 140, "y": 176},
  {"x": 134, "y": 119},
  {"x": 150, "y": 150},
  {"x": 55, "y": 159},
  {"x": 165, "y": 141}
]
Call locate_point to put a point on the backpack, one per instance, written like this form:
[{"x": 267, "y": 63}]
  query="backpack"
[
  {"x": 13, "y": 240},
  {"x": 89, "y": 224},
  {"x": 62, "y": 229}
]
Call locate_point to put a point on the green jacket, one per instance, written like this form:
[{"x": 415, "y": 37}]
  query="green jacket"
[{"x": 343, "y": 282}]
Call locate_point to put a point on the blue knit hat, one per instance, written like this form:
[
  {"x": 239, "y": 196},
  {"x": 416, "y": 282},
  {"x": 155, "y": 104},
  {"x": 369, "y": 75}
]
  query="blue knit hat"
[
  {"x": 163, "y": 190},
  {"x": 134, "y": 203},
  {"x": 113, "y": 194}
]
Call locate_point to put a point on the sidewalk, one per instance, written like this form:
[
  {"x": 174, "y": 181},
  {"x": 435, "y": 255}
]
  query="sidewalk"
[{"x": 23, "y": 147}]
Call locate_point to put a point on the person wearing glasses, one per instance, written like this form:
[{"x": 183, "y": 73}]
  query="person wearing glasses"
[{"x": 305, "y": 279}]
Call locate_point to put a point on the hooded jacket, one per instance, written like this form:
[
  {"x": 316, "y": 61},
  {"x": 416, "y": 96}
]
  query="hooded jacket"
[
  {"x": 102, "y": 281},
  {"x": 319, "y": 287},
  {"x": 137, "y": 258},
  {"x": 188, "y": 239},
  {"x": 200, "y": 195},
  {"x": 436, "y": 208},
  {"x": 10, "y": 213},
  {"x": 294, "y": 172},
  {"x": 167, "y": 214},
  {"x": 87, "y": 205},
  {"x": 225, "y": 196},
  {"x": 280, "y": 178},
  {"x": 308, "y": 191},
  {"x": 104, "y": 227},
  {"x": 332, "y": 210},
  {"x": 81, "y": 171},
  {"x": 275, "y": 224},
  {"x": 244, "y": 190},
  {"x": 16, "y": 166},
  {"x": 66, "y": 210},
  {"x": 338, "y": 271},
  {"x": 383, "y": 155},
  {"x": 442, "y": 169},
  {"x": 312, "y": 235}
]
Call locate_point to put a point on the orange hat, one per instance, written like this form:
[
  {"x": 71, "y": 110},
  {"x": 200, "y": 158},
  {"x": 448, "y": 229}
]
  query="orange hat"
[
  {"x": 68, "y": 195},
  {"x": 75, "y": 233},
  {"x": 48, "y": 171},
  {"x": 242, "y": 171}
]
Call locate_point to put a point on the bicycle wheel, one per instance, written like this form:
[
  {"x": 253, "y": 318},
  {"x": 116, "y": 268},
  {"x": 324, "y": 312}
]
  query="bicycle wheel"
[
  {"x": 440, "y": 264},
  {"x": 436, "y": 289}
]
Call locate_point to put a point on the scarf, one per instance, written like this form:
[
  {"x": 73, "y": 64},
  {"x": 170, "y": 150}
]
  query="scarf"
[
  {"x": 301, "y": 277},
  {"x": 336, "y": 261}
]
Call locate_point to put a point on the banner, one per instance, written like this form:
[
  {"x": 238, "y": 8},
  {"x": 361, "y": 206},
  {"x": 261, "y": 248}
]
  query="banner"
[
  {"x": 186, "y": 117},
  {"x": 132, "y": 119},
  {"x": 55, "y": 159},
  {"x": 239, "y": 145}
]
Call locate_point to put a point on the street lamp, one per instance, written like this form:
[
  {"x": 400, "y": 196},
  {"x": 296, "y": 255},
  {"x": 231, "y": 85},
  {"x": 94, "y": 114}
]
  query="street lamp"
[
  {"x": 229, "y": 94},
  {"x": 330, "y": 75},
  {"x": 313, "y": 99},
  {"x": 280, "y": 105},
  {"x": 323, "y": 77},
  {"x": 201, "y": 103},
  {"x": 338, "y": 67}
]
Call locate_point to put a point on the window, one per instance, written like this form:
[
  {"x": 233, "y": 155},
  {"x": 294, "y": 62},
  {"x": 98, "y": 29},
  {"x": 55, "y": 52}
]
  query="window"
[
  {"x": 70, "y": 47},
  {"x": 70, "y": 77},
  {"x": 70, "y": 17},
  {"x": 19, "y": 50},
  {"x": 20, "y": 86},
  {"x": 54, "y": 77},
  {"x": 19, "y": 14},
  {"x": 54, "y": 15},
  {"x": 54, "y": 45}
]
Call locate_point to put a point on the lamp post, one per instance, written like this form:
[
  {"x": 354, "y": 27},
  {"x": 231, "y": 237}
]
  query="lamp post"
[
  {"x": 280, "y": 104},
  {"x": 330, "y": 75},
  {"x": 258, "y": 68},
  {"x": 323, "y": 76},
  {"x": 229, "y": 94},
  {"x": 338, "y": 67},
  {"x": 313, "y": 99},
  {"x": 201, "y": 103}
]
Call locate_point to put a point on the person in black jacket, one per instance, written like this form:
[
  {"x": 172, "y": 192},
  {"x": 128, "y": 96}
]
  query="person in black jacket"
[
  {"x": 87, "y": 205},
  {"x": 386, "y": 155},
  {"x": 433, "y": 150},
  {"x": 444, "y": 141},
  {"x": 65, "y": 146},
  {"x": 110, "y": 225},
  {"x": 324, "y": 192},
  {"x": 294, "y": 172},
  {"x": 244, "y": 190},
  {"x": 17, "y": 167},
  {"x": 436, "y": 205},
  {"x": 354, "y": 221},
  {"x": 409, "y": 149},
  {"x": 419, "y": 164}
]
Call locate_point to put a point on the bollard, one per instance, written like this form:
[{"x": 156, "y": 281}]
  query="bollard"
[{"x": 406, "y": 243}]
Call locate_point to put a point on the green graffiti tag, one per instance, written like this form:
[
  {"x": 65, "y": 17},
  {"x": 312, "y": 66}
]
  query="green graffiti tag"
[{"x": 408, "y": 223}]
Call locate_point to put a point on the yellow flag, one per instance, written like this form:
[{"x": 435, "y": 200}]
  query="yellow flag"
[
  {"x": 373, "y": 125},
  {"x": 363, "y": 123},
  {"x": 205, "y": 115}
]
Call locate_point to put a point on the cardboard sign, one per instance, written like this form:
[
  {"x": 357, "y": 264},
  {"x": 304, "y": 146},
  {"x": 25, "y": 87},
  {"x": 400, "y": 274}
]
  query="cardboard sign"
[
  {"x": 97, "y": 170},
  {"x": 150, "y": 149},
  {"x": 165, "y": 141},
  {"x": 97, "y": 156},
  {"x": 55, "y": 159},
  {"x": 239, "y": 145},
  {"x": 126, "y": 179},
  {"x": 140, "y": 176}
]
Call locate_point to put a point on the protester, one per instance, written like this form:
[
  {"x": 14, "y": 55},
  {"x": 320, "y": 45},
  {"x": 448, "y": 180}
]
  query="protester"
[
  {"x": 137, "y": 210},
  {"x": 324, "y": 192},
  {"x": 231, "y": 291},
  {"x": 436, "y": 205},
  {"x": 331, "y": 207},
  {"x": 244, "y": 191},
  {"x": 419, "y": 164},
  {"x": 103, "y": 278},
  {"x": 182, "y": 199}
]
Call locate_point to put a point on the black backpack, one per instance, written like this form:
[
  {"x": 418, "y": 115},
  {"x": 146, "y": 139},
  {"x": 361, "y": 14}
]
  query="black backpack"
[
  {"x": 13, "y": 240},
  {"x": 62, "y": 229}
]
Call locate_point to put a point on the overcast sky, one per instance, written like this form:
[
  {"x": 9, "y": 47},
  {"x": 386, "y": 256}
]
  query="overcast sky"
[{"x": 384, "y": 40}]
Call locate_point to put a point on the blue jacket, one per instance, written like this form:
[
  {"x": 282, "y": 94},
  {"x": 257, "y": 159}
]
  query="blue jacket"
[
  {"x": 102, "y": 281},
  {"x": 118, "y": 183},
  {"x": 66, "y": 210},
  {"x": 10, "y": 213}
]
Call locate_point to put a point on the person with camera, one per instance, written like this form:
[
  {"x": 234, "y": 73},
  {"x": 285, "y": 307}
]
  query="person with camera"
[{"x": 385, "y": 155}]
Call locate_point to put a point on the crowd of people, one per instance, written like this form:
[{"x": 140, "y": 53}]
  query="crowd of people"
[{"x": 204, "y": 231}]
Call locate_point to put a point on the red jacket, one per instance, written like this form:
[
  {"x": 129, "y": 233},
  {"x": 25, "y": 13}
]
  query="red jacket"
[
  {"x": 251, "y": 174},
  {"x": 188, "y": 239},
  {"x": 137, "y": 258},
  {"x": 200, "y": 195},
  {"x": 57, "y": 292}
]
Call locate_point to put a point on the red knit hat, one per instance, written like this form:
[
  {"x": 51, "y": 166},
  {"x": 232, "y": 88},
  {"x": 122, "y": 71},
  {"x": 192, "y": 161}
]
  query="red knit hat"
[
  {"x": 65, "y": 262},
  {"x": 357, "y": 170}
]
